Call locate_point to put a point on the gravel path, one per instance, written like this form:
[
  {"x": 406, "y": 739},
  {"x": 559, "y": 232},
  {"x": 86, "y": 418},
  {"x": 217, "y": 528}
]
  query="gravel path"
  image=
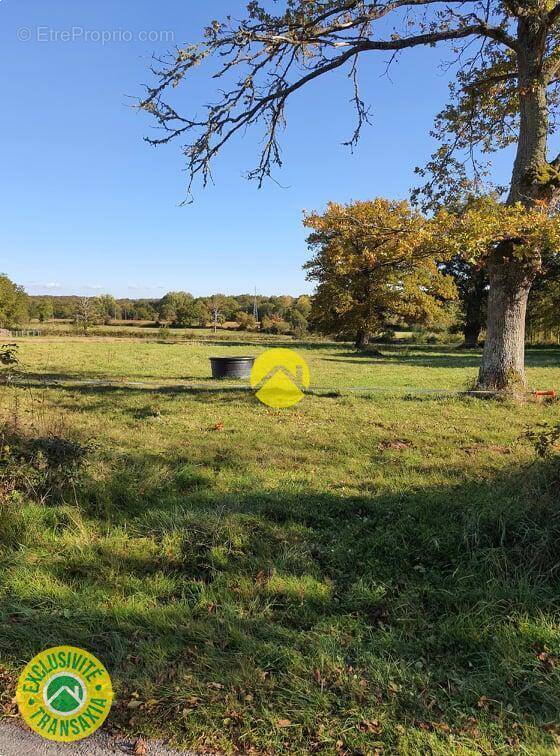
[{"x": 16, "y": 741}]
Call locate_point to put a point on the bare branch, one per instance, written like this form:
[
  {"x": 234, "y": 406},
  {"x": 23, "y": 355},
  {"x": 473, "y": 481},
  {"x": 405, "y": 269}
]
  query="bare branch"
[{"x": 279, "y": 55}]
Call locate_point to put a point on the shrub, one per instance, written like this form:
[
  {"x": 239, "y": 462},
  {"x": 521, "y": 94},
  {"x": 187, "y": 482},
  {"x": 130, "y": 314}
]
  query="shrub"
[
  {"x": 8, "y": 354},
  {"x": 42, "y": 468},
  {"x": 274, "y": 324},
  {"x": 419, "y": 337},
  {"x": 546, "y": 439},
  {"x": 9, "y": 358},
  {"x": 245, "y": 321}
]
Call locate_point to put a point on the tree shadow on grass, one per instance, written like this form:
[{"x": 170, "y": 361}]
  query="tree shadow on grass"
[
  {"x": 28, "y": 378},
  {"x": 412, "y": 358},
  {"x": 436, "y": 357},
  {"x": 131, "y": 387},
  {"x": 224, "y": 614}
]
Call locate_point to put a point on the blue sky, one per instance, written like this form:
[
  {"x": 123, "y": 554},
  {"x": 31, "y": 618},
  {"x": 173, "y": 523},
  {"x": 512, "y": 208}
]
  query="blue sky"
[{"x": 88, "y": 207}]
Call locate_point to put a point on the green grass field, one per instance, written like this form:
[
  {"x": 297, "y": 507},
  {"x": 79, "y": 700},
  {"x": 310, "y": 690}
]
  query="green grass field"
[{"x": 364, "y": 573}]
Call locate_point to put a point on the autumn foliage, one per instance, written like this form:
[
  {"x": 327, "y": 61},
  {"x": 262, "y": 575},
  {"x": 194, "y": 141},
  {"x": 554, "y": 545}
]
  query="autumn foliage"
[
  {"x": 475, "y": 233},
  {"x": 381, "y": 259},
  {"x": 373, "y": 260}
]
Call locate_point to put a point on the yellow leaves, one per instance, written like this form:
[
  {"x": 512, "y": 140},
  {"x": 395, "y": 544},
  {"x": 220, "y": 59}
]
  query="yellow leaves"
[
  {"x": 373, "y": 259},
  {"x": 140, "y": 748},
  {"x": 370, "y": 230},
  {"x": 476, "y": 232},
  {"x": 380, "y": 257}
]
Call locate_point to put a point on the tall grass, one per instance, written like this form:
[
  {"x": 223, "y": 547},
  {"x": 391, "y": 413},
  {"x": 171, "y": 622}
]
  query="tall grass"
[{"x": 351, "y": 576}]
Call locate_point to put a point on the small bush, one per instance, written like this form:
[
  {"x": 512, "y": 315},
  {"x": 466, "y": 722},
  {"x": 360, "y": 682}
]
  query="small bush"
[
  {"x": 9, "y": 354},
  {"x": 8, "y": 358},
  {"x": 245, "y": 321},
  {"x": 546, "y": 440},
  {"x": 42, "y": 468},
  {"x": 419, "y": 337}
]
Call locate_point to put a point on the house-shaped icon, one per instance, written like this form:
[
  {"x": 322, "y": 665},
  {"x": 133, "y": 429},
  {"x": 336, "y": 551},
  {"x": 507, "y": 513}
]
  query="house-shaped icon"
[
  {"x": 273, "y": 375},
  {"x": 280, "y": 387}
]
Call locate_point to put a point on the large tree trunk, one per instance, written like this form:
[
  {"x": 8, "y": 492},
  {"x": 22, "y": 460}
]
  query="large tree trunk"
[
  {"x": 471, "y": 332},
  {"x": 503, "y": 363},
  {"x": 362, "y": 339}
]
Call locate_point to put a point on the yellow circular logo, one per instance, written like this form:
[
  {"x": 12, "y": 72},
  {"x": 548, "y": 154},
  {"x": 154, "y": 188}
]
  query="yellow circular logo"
[
  {"x": 64, "y": 694},
  {"x": 279, "y": 377}
]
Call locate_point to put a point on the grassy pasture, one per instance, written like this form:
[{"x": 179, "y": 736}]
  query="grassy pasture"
[
  {"x": 333, "y": 366},
  {"x": 357, "y": 573}
]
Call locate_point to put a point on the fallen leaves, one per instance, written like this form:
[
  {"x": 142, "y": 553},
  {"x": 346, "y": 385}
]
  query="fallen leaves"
[
  {"x": 397, "y": 444},
  {"x": 370, "y": 725},
  {"x": 435, "y": 727},
  {"x": 191, "y": 702},
  {"x": 547, "y": 661},
  {"x": 140, "y": 748}
]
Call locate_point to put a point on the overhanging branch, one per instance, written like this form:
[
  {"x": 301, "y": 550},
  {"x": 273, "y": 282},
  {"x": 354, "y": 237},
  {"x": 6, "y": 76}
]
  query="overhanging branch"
[{"x": 269, "y": 50}]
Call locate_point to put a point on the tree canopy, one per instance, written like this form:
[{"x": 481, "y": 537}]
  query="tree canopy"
[
  {"x": 373, "y": 260},
  {"x": 13, "y": 303},
  {"x": 532, "y": 233}
]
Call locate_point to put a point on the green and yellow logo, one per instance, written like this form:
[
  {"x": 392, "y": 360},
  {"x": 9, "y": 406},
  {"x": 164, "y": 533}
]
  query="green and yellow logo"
[
  {"x": 64, "y": 694},
  {"x": 280, "y": 377}
]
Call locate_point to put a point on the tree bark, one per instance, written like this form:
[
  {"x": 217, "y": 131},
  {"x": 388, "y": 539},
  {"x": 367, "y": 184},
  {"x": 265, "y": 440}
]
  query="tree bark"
[
  {"x": 362, "y": 339},
  {"x": 503, "y": 362}
]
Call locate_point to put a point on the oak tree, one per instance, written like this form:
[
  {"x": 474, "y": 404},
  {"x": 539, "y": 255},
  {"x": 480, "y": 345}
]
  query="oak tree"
[
  {"x": 516, "y": 237},
  {"x": 373, "y": 261}
]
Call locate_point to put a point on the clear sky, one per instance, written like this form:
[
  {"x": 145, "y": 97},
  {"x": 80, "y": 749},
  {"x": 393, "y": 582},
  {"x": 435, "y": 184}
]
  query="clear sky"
[{"x": 88, "y": 207}]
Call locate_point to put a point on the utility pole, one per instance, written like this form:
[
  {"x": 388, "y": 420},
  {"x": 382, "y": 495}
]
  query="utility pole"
[
  {"x": 216, "y": 313},
  {"x": 255, "y": 307}
]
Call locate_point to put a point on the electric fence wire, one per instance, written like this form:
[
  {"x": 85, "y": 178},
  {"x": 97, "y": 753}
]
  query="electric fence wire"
[{"x": 225, "y": 385}]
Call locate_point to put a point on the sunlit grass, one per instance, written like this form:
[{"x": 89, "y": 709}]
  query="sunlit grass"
[
  {"x": 351, "y": 574},
  {"x": 332, "y": 366}
]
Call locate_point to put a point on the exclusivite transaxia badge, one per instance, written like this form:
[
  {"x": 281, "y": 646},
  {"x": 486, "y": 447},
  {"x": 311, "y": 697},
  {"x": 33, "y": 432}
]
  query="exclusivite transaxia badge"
[{"x": 64, "y": 693}]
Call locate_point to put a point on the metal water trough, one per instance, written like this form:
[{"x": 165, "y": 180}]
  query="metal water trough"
[{"x": 231, "y": 367}]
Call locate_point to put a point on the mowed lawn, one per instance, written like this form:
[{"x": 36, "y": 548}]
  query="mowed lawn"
[{"x": 358, "y": 574}]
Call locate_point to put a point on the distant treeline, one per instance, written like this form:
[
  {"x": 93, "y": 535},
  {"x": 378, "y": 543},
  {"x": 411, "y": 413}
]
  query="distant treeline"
[{"x": 276, "y": 314}]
